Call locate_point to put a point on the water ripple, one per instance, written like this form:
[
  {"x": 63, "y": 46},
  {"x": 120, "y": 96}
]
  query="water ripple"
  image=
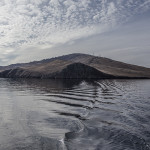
[{"x": 73, "y": 114}]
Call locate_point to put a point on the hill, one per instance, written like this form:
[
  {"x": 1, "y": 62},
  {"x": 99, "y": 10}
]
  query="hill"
[{"x": 74, "y": 66}]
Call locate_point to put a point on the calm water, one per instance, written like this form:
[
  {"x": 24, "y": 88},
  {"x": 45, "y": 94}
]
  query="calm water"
[{"x": 74, "y": 115}]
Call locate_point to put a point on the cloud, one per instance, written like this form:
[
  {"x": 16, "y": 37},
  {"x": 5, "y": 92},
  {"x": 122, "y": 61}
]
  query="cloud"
[
  {"x": 48, "y": 23},
  {"x": 25, "y": 22}
]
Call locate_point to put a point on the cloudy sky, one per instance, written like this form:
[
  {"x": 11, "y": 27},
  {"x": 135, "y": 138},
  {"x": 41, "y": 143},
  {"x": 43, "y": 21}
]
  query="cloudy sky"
[{"x": 37, "y": 29}]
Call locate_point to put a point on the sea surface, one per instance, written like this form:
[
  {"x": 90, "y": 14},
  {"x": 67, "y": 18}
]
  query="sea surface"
[{"x": 74, "y": 115}]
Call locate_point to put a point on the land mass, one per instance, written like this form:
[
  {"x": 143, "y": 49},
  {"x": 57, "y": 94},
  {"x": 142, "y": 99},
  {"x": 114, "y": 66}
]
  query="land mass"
[{"x": 79, "y": 66}]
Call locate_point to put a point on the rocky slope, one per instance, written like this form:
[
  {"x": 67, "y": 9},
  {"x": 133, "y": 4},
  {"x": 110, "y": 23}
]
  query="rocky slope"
[{"x": 74, "y": 66}]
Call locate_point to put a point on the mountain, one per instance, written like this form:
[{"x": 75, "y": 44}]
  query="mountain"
[{"x": 74, "y": 66}]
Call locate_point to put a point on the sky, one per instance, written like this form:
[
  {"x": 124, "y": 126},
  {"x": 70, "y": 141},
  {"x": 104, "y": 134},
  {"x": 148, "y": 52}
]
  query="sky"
[{"x": 38, "y": 29}]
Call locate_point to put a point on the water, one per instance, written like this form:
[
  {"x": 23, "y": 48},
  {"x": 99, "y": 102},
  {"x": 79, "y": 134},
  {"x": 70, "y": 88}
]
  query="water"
[{"x": 74, "y": 115}]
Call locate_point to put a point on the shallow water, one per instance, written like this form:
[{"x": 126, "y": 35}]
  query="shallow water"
[{"x": 74, "y": 115}]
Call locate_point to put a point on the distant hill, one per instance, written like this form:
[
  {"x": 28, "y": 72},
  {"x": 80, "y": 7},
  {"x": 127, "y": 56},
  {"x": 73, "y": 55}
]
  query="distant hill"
[{"x": 74, "y": 66}]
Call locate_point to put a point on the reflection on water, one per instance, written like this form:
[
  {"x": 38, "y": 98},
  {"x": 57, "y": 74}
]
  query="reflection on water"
[{"x": 74, "y": 115}]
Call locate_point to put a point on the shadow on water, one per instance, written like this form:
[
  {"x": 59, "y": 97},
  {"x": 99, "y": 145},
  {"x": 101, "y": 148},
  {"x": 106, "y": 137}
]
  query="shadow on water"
[
  {"x": 48, "y": 84},
  {"x": 74, "y": 114}
]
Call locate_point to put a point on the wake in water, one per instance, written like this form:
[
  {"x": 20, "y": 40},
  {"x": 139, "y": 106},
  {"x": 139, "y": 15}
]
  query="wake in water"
[{"x": 74, "y": 115}]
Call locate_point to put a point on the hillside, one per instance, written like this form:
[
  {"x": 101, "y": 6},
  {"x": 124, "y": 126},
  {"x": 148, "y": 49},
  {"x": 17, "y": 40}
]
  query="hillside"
[{"x": 74, "y": 66}]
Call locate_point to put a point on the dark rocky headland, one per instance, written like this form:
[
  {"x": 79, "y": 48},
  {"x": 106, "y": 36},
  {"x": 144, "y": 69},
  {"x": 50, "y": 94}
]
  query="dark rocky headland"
[{"x": 75, "y": 66}]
